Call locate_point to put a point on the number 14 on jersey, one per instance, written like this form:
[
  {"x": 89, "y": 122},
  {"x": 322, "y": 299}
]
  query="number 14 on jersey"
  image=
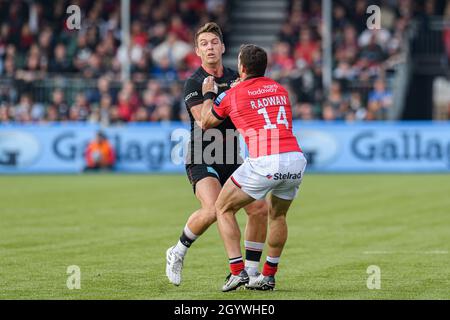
[{"x": 281, "y": 118}]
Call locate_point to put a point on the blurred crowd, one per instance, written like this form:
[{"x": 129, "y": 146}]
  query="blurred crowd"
[
  {"x": 36, "y": 45},
  {"x": 364, "y": 60}
]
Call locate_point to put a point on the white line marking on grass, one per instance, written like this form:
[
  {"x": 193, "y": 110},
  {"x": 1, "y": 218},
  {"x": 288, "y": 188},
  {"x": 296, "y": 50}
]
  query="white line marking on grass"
[{"x": 406, "y": 252}]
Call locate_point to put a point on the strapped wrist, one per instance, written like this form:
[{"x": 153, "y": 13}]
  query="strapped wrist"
[{"x": 209, "y": 95}]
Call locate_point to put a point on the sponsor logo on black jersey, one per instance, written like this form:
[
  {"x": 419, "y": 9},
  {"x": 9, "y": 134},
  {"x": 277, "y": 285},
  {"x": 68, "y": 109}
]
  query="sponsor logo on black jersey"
[{"x": 190, "y": 95}]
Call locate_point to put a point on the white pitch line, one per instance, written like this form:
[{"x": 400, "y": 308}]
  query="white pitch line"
[{"x": 407, "y": 252}]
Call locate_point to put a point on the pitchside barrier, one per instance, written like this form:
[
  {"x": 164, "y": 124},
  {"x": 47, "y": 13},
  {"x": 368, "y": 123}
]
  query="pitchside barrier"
[{"x": 159, "y": 148}]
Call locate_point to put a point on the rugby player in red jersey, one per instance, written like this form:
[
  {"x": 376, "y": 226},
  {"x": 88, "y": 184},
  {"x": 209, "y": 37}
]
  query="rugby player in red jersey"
[
  {"x": 207, "y": 175},
  {"x": 259, "y": 108}
]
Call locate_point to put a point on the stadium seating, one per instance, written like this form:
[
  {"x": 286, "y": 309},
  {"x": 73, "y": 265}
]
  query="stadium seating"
[{"x": 51, "y": 73}]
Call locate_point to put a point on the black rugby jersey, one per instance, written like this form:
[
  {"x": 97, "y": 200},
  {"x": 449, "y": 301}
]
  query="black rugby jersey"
[{"x": 192, "y": 97}]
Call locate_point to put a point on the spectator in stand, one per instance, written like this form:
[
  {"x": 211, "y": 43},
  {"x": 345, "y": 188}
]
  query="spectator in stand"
[
  {"x": 173, "y": 48},
  {"x": 382, "y": 97},
  {"x": 177, "y": 102},
  {"x": 59, "y": 107},
  {"x": 124, "y": 107},
  {"x": 104, "y": 110},
  {"x": 328, "y": 113},
  {"x": 26, "y": 38},
  {"x": 94, "y": 68},
  {"x": 100, "y": 154},
  {"x": 4, "y": 113},
  {"x": 114, "y": 116},
  {"x": 141, "y": 69},
  {"x": 103, "y": 88},
  {"x": 359, "y": 15},
  {"x": 82, "y": 54},
  {"x": 372, "y": 54},
  {"x": 23, "y": 109},
  {"x": 282, "y": 63},
  {"x": 60, "y": 62},
  {"x": 336, "y": 100},
  {"x": 340, "y": 19},
  {"x": 9, "y": 69},
  {"x": 80, "y": 110},
  {"x": 32, "y": 71},
  {"x": 287, "y": 34},
  {"x": 165, "y": 72},
  {"x": 304, "y": 111},
  {"x": 356, "y": 106},
  {"x": 149, "y": 103},
  {"x": 157, "y": 34},
  {"x": 45, "y": 42},
  {"x": 141, "y": 115},
  {"x": 163, "y": 112},
  {"x": 133, "y": 96},
  {"x": 307, "y": 48},
  {"x": 52, "y": 114},
  {"x": 37, "y": 112},
  {"x": 180, "y": 29}
]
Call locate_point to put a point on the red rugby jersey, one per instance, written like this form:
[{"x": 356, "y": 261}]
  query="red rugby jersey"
[{"x": 260, "y": 110}]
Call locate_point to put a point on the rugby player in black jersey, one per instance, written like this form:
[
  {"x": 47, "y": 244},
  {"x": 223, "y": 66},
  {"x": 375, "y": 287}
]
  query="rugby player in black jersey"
[{"x": 208, "y": 178}]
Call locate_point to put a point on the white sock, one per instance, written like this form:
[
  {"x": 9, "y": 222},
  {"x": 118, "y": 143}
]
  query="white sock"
[
  {"x": 253, "y": 251},
  {"x": 189, "y": 233},
  {"x": 251, "y": 267},
  {"x": 189, "y": 237},
  {"x": 181, "y": 249},
  {"x": 274, "y": 260}
]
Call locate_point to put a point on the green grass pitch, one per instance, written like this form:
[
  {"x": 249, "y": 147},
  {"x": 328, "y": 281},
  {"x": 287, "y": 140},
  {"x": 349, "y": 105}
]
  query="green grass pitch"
[{"x": 116, "y": 228}]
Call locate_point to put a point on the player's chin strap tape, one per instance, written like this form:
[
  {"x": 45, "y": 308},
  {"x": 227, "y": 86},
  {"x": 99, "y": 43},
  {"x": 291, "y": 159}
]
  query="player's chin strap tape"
[{"x": 209, "y": 95}]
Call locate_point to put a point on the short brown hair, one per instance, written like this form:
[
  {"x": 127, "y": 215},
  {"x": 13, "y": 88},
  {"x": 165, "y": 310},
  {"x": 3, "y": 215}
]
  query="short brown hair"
[
  {"x": 211, "y": 27},
  {"x": 254, "y": 60}
]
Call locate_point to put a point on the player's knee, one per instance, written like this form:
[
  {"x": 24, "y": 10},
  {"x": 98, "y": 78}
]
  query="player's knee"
[
  {"x": 258, "y": 209},
  {"x": 223, "y": 208},
  {"x": 209, "y": 214},
  {"x": 220, "y": 208}
]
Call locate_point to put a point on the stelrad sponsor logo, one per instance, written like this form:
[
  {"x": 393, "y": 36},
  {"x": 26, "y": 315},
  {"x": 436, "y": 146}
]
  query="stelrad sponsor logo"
[
  {"x": 18, "y": 149},
  {"x": 287, "y": 176}
]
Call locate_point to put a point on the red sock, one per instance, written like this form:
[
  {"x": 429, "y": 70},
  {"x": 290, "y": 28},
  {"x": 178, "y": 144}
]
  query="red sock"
[
  {"x": 269, "y": 270},
  {"x": 236, "y": 266}
]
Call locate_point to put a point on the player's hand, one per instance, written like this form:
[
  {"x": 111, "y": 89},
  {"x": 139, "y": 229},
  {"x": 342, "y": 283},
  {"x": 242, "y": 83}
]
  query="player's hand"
[{"x": 209, "y": 85}]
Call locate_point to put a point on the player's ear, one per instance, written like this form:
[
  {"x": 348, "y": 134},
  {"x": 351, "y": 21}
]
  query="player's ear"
[
  {"x": 242, "y": 68},
  {"x": 197, "y": 51},
  {"x": 223, "y": 48}
]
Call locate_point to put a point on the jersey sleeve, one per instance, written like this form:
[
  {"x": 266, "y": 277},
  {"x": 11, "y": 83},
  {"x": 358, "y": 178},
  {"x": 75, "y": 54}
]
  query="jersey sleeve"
[
  {"x": 192, "y": 93},
  {"x": 222, "y": 106}
]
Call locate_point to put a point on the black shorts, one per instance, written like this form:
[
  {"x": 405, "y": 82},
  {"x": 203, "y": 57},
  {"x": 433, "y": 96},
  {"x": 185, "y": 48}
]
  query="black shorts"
[{"x": 197, "y": 172}]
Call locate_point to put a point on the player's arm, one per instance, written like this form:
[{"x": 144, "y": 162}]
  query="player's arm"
[
  {"x": 196, "y": 112},
  {"x": 194, "y": 99},
  {"x": 209, "y": 118}
]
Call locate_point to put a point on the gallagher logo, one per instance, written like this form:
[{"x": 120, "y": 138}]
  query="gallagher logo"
[
  {"x": 269, "y": 176},
  {"x": 18, "y": 149}
]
